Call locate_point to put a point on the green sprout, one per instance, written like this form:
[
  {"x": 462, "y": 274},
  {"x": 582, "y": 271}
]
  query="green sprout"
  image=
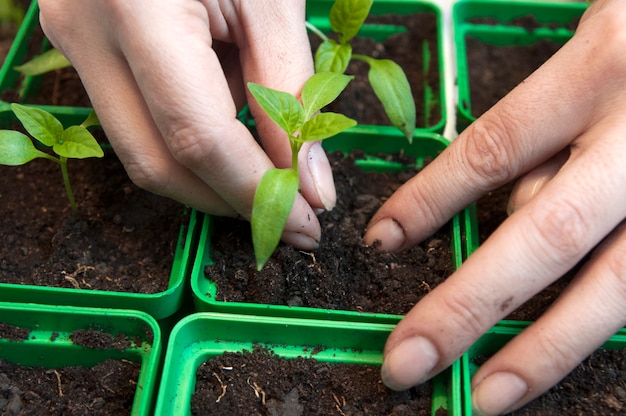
[
  {"x": 387, "y": 78},
  {"x": 74, "y": 142},
  {"x": 50, "y": 60},
  {"x": 303, "y": 122}
]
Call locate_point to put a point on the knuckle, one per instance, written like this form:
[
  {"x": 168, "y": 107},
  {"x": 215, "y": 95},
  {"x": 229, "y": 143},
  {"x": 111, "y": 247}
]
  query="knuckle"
[
  {"x": 487, "y": 153},
  {"x": 557, "y": 351},
  {"x": 149, "y": 177},
  {"x": 189, "y": 146},
  {"x": 561, "y": 229},
  {"x": 467, "y": 311}
]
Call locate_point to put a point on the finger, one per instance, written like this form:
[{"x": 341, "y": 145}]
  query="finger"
[
  {"x": 126, "y": 118},
  {"x": 189, "y": 99},
  {"x": 529, "y": 185},
  {"x": 588, "y": 313},
  {"x": 516, "y": 135},
  {"x": 283, "y": 61},
  {"x": 532, "y": 248}
]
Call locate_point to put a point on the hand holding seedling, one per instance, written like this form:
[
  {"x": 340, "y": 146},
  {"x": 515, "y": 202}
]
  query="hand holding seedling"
[
  {"x": 167, "y": 79},
  {"x": 565, "y": 126},
  {"x": 75, "y": 142}
]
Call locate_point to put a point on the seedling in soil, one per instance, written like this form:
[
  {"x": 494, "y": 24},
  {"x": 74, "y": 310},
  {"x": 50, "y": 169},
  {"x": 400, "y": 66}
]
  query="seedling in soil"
[
  {"x": 387, "y": 78},
  {"x": 74, "y": 142},
  {"x": 302, "y": 121}
]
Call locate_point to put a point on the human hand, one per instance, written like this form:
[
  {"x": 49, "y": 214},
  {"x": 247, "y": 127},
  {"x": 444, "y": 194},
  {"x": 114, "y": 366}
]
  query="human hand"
[
  {"x": 167, "y": 78},
  {"x": 566, "y": 119}
]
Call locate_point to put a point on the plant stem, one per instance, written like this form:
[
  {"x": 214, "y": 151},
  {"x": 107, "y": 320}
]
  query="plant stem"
[
  {"x": 66, "y": 182},
  {"x": 315, "y": 30}
]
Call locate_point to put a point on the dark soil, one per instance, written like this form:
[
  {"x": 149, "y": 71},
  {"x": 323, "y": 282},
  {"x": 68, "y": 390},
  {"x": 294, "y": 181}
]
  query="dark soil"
[
  {"x": 495, "y": 70},
  {"x": 343, "y": 274},
  {"x": 106, "y": 389},
  {"x": 121, "y": 239},
  {"x": 358, "y": 100},
  {"x": 261, "y": 383},
  {"x": 596, "y": 387}
]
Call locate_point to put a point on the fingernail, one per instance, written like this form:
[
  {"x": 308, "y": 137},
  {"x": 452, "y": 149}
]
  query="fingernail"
[
  {"x": 387, "y": 232},
  {"x": 409, "y": 364},
  {"x": 300, "y": 241},
  {"x": 498, "y": 393},
  {"x": 322, "y": 175}
]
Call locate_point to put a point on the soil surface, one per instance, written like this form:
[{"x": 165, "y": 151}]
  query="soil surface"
[
  {"x": 261, "y": 383},
  {"x": 106, "y": 389},
  {"x": 597, "y": 387},
  {"x": 358, "y": 100},
  {"x": 121, "y": 239},
  {"x": 495, "y": 70},
  {"x": 343, "y": 274}
]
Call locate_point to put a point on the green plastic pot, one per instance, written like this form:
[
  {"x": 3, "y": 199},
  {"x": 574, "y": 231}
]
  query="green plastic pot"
[
  {"x": 49, "y": 344},
  {"x": 201, "y": 336},
  {"x": 370, "y": 140},
  {"x": 29, "y": 86},
  {"x": 317, "y": 14},
  {"x": 494, "y": 340},
  {"x": 159, "y": 305},
  {"x": 558, "y": 15}
]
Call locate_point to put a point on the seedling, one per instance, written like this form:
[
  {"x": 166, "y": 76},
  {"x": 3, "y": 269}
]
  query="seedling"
[
  {"x": 74, "y": 142},
  {"x": 387, "y": 78},
  {"x": 302, "y": 122},
  {"x": 50, "y": 60}
]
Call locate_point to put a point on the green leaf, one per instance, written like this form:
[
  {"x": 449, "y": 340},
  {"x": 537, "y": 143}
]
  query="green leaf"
[
  {"x": 273, "y": 200},
  {"x": 347, "y": 17},
  {"x": 17, "y": 148},
  {"x": 42, "y": 125},
  {"x": 282, "y": 107},
  {"x": 91, "y": 120},
  {"x": 48, "y": 61},
  {"x": 325, "y": 125},
  {"x": 332, "y": 57},
  {"x": 394, "y": 91},
  {"x": 76, "y": 142},
  {"x": 322, "y": 89}
]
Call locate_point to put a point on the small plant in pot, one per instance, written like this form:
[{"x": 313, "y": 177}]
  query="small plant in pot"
[{"x": 304, "y": 122}]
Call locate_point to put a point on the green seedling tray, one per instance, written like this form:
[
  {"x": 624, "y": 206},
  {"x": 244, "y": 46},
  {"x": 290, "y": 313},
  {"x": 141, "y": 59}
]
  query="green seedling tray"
[
  {"x": 371, "y": 141},
  {"x": 159, "y": 305},
  {"x": 200, "y": 336},
  {"x": 28, "y": 86},
  {"x": 494, "y": 340},
  {"x": 317, "y": 14},
  {"x": 557, "y": 15},
  {"x": 49, "y": 344}
]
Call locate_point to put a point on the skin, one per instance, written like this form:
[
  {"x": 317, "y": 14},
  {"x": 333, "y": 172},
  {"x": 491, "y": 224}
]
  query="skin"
[
  {"x": 144, "y": 62},
  {"x": 562, "y": 132},
  {"x": 166, "y": 79}
]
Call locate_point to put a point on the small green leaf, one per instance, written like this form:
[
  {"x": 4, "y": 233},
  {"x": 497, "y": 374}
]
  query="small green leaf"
[
  {"x": 282, "y": 107},
  {"x": 394, "y": 91},
  {"x": 347, "y": 17},
  {"x": 48, "y": 61},
  {"x": 17, "y": 148},
  {"x": 322, "y": 89},
  {"x": 332, "y": 57},
  {"x": 325, "y": 125},
  {"x": 77, "y": 143},
  {"x": 91, "y": 120},
  {"x": 42, "y": 125},
  {"x": 273, "y": 200}
]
